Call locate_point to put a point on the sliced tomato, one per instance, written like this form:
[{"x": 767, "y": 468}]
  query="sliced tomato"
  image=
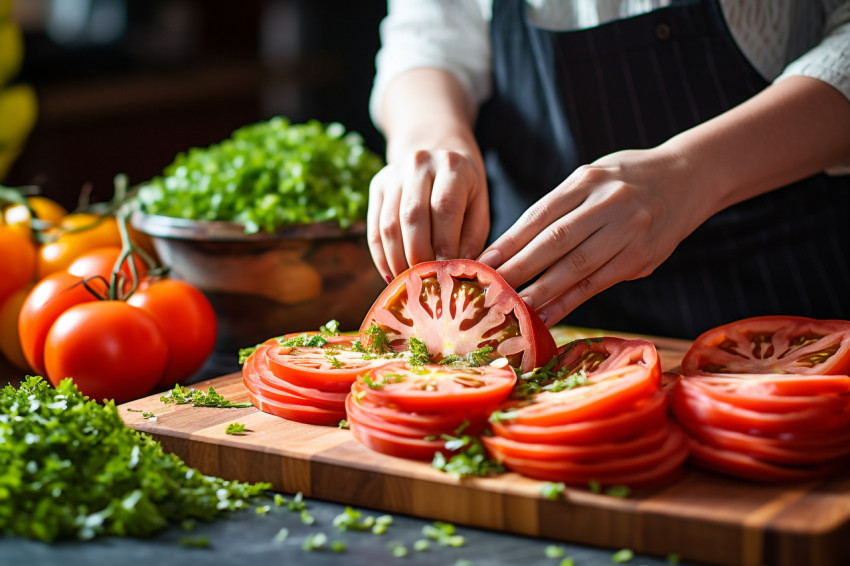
[
  {"x": 606, "y": 393},
  {"x": 645, "y": 415},
  {"x": 594, "y": 355},
  {"x": 268, "y": 381},
  {"x": 650, "y": 468},
  {"x": 436, "y": 388},
  {"x": 294, "y": 412},
  {"x": 756, "y": 392},
  {"x": 769, "y": 449},
  {"x": 394, "y": 444},
  {"x": 745, "y": 466},
  {"x": 645, "y": 442},
  {"x": 696, "y": 407},
  {"x": 772, "y": 344},
  {"x": 333, "y": 367},
  {"x": 457, "y": 307}
]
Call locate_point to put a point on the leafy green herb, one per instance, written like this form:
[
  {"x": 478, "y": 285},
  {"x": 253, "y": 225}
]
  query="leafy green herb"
[
  {"x": 235, "y": 428},
  {"x": 371, "y": 383},
  {"x": 398, "y": 549},
  {"x": 333, "y": 360},
  {"x": 621, "y": 491},
  {"x": 262, "y": 509},
  {"x": 330, "y": 328},
  {"x": 282, "y": 535},
  {"x": 443, "y": 534},
  {"x": 149, "y": 415},
  {"x": 379, "y": 342},
  {"x": 69, "y": 467},
  {"x": 418, "y": 352},
  {"x": 338, "y": 546},
  {"x": 297, "y": 503},
  {"x": 594, "y": 486},
  {"x": 470, "y": 458},
  {"x": 499, "y": 416},
  {"x": 132, "y": 410},
  {"x": 553, "y": 551},
  {"x": 182, "y": 395},
  {"x": 245, "y": 353},
  {"x": 343, "y": 424},
  {"x": 188, "y": 525},
  {"x": 622, "y": 556},
  {"x": 476, "y": 358},
  {"x": 268, "y": 175},
  {"x": 279, "y": 500},
  {"x": 352, "y": 520},
  {"x": 316, "y": 541},
  {"x": 547, "y": 378},
  {"x": 307, "y": 518},
  {"x": 551, "y": 490},
  {"x": 195, "y": 542},
  {"x": 568, "y": 561},
  {"x": 421, "y": 545}
]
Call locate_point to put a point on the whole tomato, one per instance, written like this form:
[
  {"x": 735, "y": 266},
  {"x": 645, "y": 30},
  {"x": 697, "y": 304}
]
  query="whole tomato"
[
  {"x": 101, "y": 261},
  {"x": 17, "y": 216},
  {"x": 187, "y": 322},
  {"x": 80, "y": 232},
  {"x": 110, "y": 349},
  {"x": 10, "y": 341},
  {"x": 17, "y": 257},
  {"x": 52, "y": 296}
]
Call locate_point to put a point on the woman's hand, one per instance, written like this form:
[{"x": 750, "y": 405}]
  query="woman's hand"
[
  {"x": 613, "y": 220},
  {"x": 427, "y": 205}
]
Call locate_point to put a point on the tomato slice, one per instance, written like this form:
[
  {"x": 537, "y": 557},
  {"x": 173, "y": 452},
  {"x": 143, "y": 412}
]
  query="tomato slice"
[
  {"x": 745, "y": 466},
  {"x": 393, "y": 444},
  {"x": 648, "y": 441},
  {"x": 593, "y": 355},
  {"x": 333, "y": 367},
  {"x": 650, "y": 468},
  {"x": 606, "y": 393},
  {"x": 757, "y": 392},
  {"x": 769, "y": 449},
  {"x": 436, "y": 388},
  {"x": 269, "y": 381},
  {"x": 457, "y": 307},
  {"x": 294, "y": 412},
  {"x": 647, "y": 414},
  {"x": 357, "y": 411},
  {"x": 772, "y": 344},
  {"x": 697, "y": 407}
]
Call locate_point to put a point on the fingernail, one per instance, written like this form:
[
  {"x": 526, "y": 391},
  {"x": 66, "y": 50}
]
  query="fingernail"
[
  {"x": 542, "y": 316},
  {"x": 493, "y": 258},
  {"x": 388, "y": 278}
]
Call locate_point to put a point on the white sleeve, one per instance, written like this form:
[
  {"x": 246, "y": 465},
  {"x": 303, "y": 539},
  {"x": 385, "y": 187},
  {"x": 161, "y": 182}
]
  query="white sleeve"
[
  {"x": 445, "y": 34},
  {"x": 829, "y": 61}
]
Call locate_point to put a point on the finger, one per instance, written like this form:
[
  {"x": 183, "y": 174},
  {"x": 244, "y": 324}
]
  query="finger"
[
  {"x": 476, "y": 226},
  {"x": 390, "y": 230},
  {"x": 414, "y": 209},
  {"x": 448, "y": 205},
  {"x": 373, "y": 226}
]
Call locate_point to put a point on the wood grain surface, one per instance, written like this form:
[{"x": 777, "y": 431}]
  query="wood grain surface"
[{"x": 703, "y": 517}]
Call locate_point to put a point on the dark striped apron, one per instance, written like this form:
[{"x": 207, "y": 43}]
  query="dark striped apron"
[{"x": 565, "y": 98}]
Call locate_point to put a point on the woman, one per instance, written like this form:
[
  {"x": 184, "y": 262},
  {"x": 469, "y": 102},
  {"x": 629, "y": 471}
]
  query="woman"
[{"x": 661, "y": 167}]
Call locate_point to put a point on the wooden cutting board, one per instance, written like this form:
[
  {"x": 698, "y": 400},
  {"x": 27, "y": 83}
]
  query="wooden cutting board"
[{"x": 703, "y": 517}]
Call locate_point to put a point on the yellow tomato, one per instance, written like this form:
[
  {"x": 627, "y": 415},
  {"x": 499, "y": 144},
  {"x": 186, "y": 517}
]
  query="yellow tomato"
[
  {"x": 10, "y": 341},
  {"x": 17, "y": 258},
  {"x": 81, "y": 232},
  {"x": 18, "y": 216}
]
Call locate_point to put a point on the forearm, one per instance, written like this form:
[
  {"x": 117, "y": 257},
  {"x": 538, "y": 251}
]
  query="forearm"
[
  {"x": 426, "y": 109},
  {"x": 793, "y": 129}
]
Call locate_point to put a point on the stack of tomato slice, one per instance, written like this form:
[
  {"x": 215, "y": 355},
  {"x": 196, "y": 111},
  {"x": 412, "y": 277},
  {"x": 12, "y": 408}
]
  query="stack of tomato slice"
[
  {"x": 406, "y": 411},
  {"x": 601, "y": 417},
  {"x": 306, "y": 384},
  {"x": 768, "y": 398}
]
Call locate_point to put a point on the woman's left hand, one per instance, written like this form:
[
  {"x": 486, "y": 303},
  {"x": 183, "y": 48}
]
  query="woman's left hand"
[{"x": 613, "y": 220}]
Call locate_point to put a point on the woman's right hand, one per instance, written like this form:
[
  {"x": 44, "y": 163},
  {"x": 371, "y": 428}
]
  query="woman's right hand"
[{"x": 428, "y": 204}]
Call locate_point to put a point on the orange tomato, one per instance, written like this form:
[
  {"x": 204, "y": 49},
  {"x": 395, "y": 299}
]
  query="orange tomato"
[
  {"x": 17, "y": 256},
  {"x": 81, "y": 232},
  {"x": 18, "y": 216},
  {"x": 10, "y": 341}
]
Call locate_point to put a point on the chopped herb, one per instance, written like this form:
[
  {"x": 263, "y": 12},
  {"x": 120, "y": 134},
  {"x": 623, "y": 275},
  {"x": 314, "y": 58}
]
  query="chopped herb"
[
  {"x": 594, "y": 486},
  {"x": 333, "y": 360},
  {"x": 469, "y": 458},
  {"x": 149, "y": 415},
  {"x": 498, "y": 416},
  {"x": 421, "y": 545},
  {"x": 315, "y": 541},
  {"x": 338, "y": 546},
  {"x": 188, "y": 525},
  {"x": 282, "y": 535},
  {"x": 547, "y": 378},
  {"x": 371, "y": 383},
  {"x": 182, "y": 395},
  {"x": 330, "y": 328},
  {"x": 263, "y": 509},
  {"x": 673, "y": 559},
  {"x": 352, "y": 520},
  {"x": 463, "y": 562},
  {"x": 279, "y": 500},
  {"x": 195, "y": 542},
  {"x": 343, "y": 424},
  {"x": 568, "y": 561},
  {"x": 418, "y": 352},
  {"x": 245, "y": 353},
  {"x": 621, "y": 491},
  {"x": 443, "y": 534},
  {"x": 306, "y": 517},
  {"x": 551, "y": 490},
  {"x": 476, "y": 358},
  {"x": 622, "y": 556},
  {"x": 297, "y": 504},
  {"x": 379, "y": 529},
  {"x": 379, "y": 342},
  {"x": 132, "y": 410},
  {"x": 398, "y": 549},
  {"x": 553, "y": 551},
  {"x": 74, "y": 470},
  {"x": 235, "y": 428}
]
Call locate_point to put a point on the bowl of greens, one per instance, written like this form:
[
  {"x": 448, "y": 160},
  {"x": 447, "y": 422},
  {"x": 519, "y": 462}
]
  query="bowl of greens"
[{"x": 269, "y": 224}]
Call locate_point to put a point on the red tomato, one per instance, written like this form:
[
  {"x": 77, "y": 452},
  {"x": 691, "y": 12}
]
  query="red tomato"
[
  {"x": 110, "y": 349},
  {"x": 650, "y": 468},
  {"x": 18, "y": 259},
  {"x": 772, "y": 344},
  {"x": 333, "y": 367},
  {"x": 101, "y": 261},
  {"x": 744, "y": 466},
  {"x": 293, "y": 412},
  {"x": 355, "y": 409},
  {"x": 256, "y": 370},
  {"x": 592, "y": 355},
  {"x": 187, "y": 322},
  {"x": 606, "y": 393},
  {"x": 393, "y": 444},
  {"x": 436, "y": 388},
  {"x": 645, "y": 415},
  {"x": 458, "y": 307},
  {"x": 52, "y": 296},
  {"x": 10, "y": 340}
]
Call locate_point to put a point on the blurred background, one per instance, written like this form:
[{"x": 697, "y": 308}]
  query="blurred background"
[{"x": 124, "y": 85}]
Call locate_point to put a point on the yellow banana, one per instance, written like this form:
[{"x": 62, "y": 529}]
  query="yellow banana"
[{"x": 11, "y": 49}]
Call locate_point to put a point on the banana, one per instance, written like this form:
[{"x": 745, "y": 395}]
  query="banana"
[{"x": 11, "y": 48}]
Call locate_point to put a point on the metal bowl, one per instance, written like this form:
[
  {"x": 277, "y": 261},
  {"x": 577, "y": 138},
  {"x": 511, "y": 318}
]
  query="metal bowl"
[{"x": 263, "y": 285}]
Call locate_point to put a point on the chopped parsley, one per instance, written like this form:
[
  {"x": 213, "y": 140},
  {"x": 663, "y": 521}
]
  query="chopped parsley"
[
  {"x": 419, "y": 355},
  {"x": 235, "y": 428},
  {"x": 476, "y": 358},
  {"x": 551, "y": 490},
  {"x": 182, "y": 395},
  {"x": 469, "y": 458},
  {"x": 622, "y": 556}
]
